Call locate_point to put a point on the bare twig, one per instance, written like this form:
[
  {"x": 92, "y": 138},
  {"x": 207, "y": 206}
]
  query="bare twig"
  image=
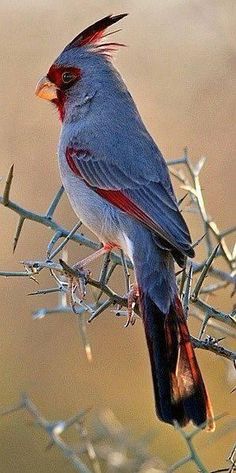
[
  {"x": 55, "y": 202},
  {"x": 203, "y": 274},
  {"x": 18, "y": 232},
  {"x": 6, "y": 192},
  {"x": 212, "y": 345},
  {"x": 187, "y": 293},
  {"x": 68, "y": 237},
  {"x": 53, "y": 429}
]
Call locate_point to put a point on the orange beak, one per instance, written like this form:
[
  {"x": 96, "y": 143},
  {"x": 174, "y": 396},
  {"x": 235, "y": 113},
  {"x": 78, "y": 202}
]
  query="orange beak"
[{"x": 46, "y": 89}]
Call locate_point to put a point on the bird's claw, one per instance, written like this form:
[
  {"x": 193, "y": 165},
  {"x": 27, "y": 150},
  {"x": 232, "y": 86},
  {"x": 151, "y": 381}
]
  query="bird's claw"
[
  {"x": 77, "y": 281},
  {"x": 132, "y": 298},
  {"x": 80, "y": 282},
  {"x": 131, "y": 318}
]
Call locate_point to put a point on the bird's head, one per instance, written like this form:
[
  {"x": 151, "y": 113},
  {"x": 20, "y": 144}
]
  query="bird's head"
[{"x": 79, "y": 69}]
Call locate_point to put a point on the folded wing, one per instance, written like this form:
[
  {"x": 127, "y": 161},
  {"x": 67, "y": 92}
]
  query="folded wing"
[{"x": 143, "y": 197}]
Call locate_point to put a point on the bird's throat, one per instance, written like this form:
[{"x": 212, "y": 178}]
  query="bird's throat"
[{"x": 60, "y": 104}]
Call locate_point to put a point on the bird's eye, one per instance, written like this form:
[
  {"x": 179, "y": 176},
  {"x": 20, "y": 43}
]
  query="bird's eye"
[{"x": 67, "y": 77}]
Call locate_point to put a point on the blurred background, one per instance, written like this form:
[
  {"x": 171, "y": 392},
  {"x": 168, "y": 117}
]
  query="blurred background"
[{"x": 180, "y": 66}]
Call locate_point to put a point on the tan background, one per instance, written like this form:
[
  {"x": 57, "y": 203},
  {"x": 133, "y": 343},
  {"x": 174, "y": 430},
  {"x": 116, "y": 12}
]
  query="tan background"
[{"x": 180, "y": 66}]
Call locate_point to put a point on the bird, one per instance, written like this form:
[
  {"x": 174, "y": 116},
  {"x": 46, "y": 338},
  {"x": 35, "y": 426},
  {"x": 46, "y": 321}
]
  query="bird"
[{"x": 118, "y": 184}]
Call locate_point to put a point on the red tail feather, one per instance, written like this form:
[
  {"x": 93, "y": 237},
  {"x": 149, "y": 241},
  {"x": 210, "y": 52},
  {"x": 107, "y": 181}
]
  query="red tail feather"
[
  {"x": 188, "y": 374},
  {"x": 180, "y": 393}
]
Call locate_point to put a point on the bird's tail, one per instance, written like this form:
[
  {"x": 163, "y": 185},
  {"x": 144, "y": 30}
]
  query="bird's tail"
[{"x": 180, "y": 393}]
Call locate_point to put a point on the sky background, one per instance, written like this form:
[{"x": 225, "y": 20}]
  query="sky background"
[{"x": 180, "y": 66}]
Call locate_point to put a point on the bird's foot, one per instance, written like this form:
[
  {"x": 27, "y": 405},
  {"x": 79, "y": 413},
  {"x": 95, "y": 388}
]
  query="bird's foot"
[
  {"x": 132, "y": 299},
  {"x": 77, "y": 280},
  {"x": 78, "y": 275},
  {"x": 78, "y": 284}
]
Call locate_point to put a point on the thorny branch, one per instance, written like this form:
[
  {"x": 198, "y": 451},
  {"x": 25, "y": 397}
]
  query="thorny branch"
[
  {"x": 54, "y": 430},
  {"x": 194, "y": 290},
  {"x": 109, "y": 444},
  {"x": 193, "y": 456},
  {"x": 231, "y": 460}
]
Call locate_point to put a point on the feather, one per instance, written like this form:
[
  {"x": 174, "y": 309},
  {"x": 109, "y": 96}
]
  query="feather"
[
  {"x": 180, "y": 393},
  {"x": 148, "y": 202},
  {"x": 95, "y": 32}
]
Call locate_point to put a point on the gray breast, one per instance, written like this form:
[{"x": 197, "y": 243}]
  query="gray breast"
[{"x": 97, "y": 214}]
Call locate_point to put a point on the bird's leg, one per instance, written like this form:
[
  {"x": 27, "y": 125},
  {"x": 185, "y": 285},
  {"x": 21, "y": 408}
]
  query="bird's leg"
[
  {"x": 78, "y": 276},
  {"x": 107, "y": 247},
  {"x": 84, "y": 273}
]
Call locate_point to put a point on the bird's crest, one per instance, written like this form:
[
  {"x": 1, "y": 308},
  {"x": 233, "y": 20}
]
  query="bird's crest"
[{"x": 95, "y": 33}]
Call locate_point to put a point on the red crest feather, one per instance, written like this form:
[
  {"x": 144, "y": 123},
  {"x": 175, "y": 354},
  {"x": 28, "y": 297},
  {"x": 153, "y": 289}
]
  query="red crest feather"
[{"x": 94, "y": 33}]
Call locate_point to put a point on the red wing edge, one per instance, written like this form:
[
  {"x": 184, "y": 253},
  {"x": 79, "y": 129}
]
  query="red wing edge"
[{"x": 120, "y": 200}]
